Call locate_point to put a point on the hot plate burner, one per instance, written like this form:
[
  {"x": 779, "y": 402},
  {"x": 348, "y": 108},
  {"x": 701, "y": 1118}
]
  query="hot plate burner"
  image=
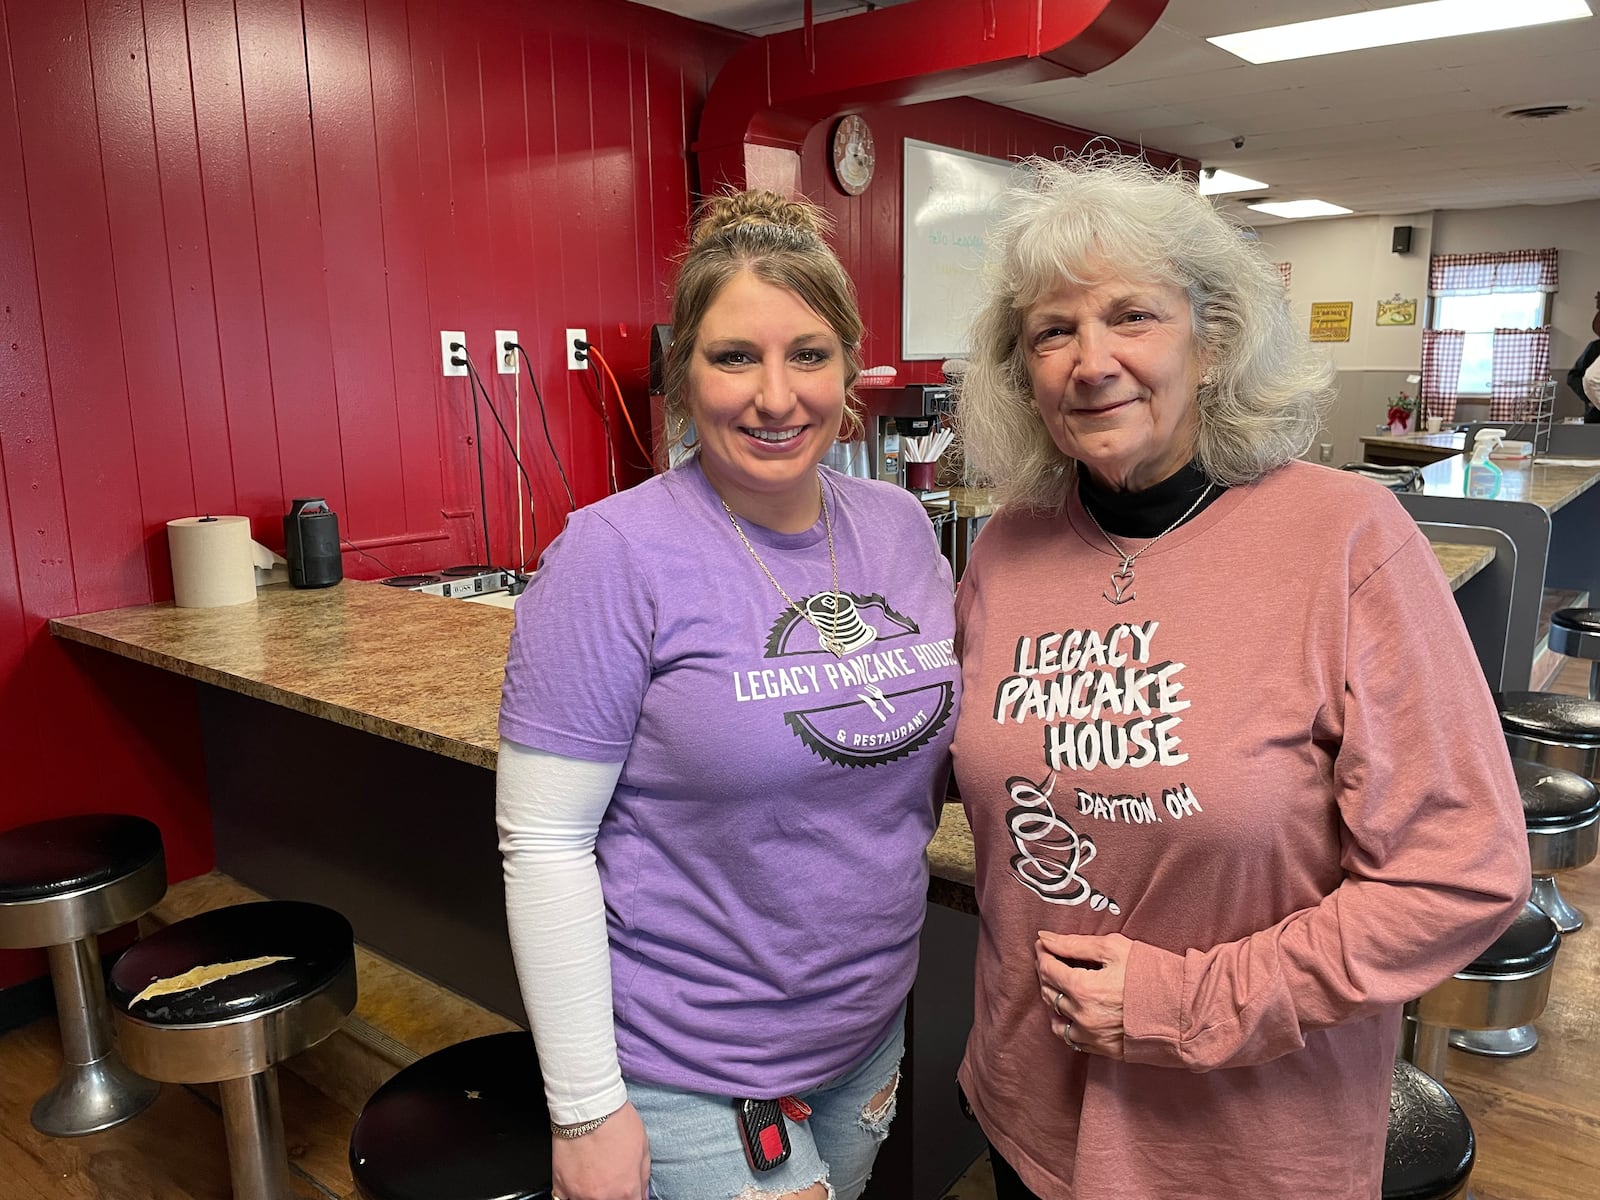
[{"x": 411, "y": 581}]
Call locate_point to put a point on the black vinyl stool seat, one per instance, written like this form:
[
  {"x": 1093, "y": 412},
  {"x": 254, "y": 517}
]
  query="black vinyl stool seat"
[
  {"x": 1489, "y": 1005},
  {"x": 1549, "y": 728},
  {"x": 1575, "y": 632},
  {"x": 223, "y": 997},
  {"x": 1429, "y": 1150},
  {"x": 62, "y": 883},
  {"x": 1562, "y": 812},
  {"x": 468, "y": 1122}
]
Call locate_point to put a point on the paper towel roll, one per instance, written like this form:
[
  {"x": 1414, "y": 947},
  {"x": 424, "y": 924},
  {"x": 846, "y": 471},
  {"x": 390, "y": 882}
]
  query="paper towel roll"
[{"x": 213, "y": 561}]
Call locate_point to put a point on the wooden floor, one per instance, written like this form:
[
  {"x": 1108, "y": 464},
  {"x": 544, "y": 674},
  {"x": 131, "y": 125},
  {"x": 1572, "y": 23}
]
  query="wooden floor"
[{"x": 1537, "y": 1118}]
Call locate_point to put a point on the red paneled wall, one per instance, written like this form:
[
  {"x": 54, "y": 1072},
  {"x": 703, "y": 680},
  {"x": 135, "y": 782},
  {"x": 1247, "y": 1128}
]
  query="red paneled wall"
[
  {"x": 229, "y": 236},
  {"x": 230, "y": 231}
]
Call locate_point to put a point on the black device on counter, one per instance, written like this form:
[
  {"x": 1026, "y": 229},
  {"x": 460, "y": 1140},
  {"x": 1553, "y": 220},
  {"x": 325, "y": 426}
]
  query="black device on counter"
[{"x": 311, "y": 544}]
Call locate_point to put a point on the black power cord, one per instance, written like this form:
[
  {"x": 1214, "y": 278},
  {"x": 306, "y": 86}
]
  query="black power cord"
[
  {"x": 458, "y": 358},
  {"x": 544, "y": 418},
  {"x": 478, "y": 384}
]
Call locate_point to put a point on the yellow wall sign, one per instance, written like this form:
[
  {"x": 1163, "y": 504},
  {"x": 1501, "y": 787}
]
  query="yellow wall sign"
[
  {"x": 1330, "y": 321},
  {"x": 1397, "y": 312}
]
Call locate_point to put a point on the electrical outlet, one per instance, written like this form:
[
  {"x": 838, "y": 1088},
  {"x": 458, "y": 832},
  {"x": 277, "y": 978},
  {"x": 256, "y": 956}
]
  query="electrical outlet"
[
  {"x": 446, "y": 336},
  {"x": 576, "y": 359},
  {"x": 505, "y": 360}
]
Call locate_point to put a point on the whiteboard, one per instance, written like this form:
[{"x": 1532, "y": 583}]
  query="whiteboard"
[{"x": 948, "y": 199}]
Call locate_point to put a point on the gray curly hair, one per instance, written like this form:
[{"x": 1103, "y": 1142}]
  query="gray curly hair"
[{"x": 1265, "y": 390}]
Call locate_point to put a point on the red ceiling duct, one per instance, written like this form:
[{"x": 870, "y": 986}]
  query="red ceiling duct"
[{"x": 770, "y": 94}]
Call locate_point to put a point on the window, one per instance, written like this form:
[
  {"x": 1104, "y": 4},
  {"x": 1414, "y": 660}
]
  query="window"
[
  {"x": 1479, "y": 293},
  {"x": 1479, "y": 317}
]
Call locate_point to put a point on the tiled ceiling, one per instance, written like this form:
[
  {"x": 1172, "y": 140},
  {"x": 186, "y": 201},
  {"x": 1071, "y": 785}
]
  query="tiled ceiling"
[{"x": 1393, "y": 130}]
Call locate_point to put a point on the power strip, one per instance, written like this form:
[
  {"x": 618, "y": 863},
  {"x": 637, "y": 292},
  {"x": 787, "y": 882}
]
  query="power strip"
[{"x": 466, "y": 585}]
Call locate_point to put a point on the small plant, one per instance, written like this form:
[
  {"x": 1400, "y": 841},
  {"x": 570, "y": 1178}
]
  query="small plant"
[{"x": 1401, "y": 407}]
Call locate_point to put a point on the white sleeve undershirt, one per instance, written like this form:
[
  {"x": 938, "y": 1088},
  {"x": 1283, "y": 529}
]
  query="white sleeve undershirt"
[{"x": 548, "y": 810}]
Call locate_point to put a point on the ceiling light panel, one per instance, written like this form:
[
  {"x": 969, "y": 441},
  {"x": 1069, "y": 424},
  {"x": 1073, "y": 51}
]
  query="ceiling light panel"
[
  {"x": 1394, "y": 27},
  {"x": 1298, "y": 208},
  {"x": 1216, "y": 182}
]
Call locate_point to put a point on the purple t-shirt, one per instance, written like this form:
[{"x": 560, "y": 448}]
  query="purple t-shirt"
[{"x": 763, "y": 858}]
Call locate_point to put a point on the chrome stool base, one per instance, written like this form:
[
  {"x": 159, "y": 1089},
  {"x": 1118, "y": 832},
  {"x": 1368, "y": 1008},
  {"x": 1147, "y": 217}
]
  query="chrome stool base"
[
  {"x": 1496, "y": 1043},
  {"x": 96, "y": 1089},
  {"x": 252, "y": 1121},
  {"x": 93, "y": 1096},
  {"x": 1547, "y": 896}
]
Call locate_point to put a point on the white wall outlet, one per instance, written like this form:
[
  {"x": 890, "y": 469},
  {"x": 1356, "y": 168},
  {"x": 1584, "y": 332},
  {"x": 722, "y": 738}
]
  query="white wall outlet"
[
  {"x": 505, "y": 361},
  {"x": 446, "y": 337},
  {"x": 576, "y": 359}
]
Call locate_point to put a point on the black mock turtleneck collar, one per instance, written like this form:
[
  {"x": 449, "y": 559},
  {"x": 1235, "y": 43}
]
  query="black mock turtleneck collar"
[{"x": 1147, "y": 513}]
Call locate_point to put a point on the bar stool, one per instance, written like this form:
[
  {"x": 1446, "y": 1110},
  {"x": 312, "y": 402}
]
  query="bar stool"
[
  {"x": 1558, "y": 731},
  {"x": 223, "y": 997},
  {"x": 1488, "y": 1007},
  {"x": 1429, "y": 1151},
  {"x": 468, "y": 1122},
  {"x": 63, "y": 882},
  {"x": 1562, "y": 811},
  {"x": 1575, "y": 632}
]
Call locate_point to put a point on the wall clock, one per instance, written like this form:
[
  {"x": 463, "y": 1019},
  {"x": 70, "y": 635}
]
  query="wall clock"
[{"x": 854, "y": 156}]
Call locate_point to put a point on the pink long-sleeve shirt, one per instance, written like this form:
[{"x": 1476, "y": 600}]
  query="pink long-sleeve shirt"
[{"x": 1279, "y": 771}]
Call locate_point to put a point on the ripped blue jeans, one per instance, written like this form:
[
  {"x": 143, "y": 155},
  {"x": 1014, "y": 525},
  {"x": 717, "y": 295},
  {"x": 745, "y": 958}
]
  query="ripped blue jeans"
[{"x": 695, "y": 1152}]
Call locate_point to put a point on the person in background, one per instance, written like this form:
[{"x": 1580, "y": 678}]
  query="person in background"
[
  {"x": 1581, "y": 379},
  {"x": 728, "y": 704},
  {"x": 1236, "y": 783}
]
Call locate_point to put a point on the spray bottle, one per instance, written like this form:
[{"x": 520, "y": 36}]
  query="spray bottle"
[{"x": 1483, "y": 477}]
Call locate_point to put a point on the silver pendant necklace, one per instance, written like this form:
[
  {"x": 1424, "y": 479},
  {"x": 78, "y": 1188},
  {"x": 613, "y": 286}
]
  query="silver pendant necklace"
[
  {"x": 828, "y": 637},
  {"x": 1122, "y": 576}
]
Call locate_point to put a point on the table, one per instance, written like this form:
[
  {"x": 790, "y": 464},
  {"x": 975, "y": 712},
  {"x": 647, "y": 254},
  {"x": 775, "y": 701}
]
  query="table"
[{"x": 1411, "y": 449}]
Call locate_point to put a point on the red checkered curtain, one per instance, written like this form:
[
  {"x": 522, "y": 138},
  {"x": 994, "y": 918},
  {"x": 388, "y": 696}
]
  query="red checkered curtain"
[
  {"x": 1520, "y": 365},
  {"x": 1284, "y": 270},
  {"x": 1493, "y": 271},
  {"x": 1441, "y": 371}
]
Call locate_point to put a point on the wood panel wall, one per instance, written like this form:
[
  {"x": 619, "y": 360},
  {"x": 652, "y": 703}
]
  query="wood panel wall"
[
  {"x": 229, "y": 236},
  {"x": 230, "y": 231}
]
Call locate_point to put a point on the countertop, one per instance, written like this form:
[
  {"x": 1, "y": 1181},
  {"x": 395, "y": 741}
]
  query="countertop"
[
  {"x": 1461, "y": 563},
  {"x": 1550, "y": 485},
  {"x": 1453, "y": 442},
  {"x": 970, "y": 503},
  {"x": 417, "y": 669}
]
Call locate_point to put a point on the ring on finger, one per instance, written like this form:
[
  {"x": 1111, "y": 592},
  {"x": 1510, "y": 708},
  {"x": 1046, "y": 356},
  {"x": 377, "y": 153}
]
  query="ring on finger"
[{"x": 1056, "y": 1004}]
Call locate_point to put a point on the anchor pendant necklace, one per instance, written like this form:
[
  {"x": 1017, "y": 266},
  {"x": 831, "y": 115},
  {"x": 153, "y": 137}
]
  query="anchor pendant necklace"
[{"x": 1122, "y": 576}]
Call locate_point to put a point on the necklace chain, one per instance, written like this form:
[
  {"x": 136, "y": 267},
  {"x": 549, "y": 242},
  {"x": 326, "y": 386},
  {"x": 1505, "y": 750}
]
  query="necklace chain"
[
  {"x": 1122, "y": 577},
  {"x": 830, "y": 641}
]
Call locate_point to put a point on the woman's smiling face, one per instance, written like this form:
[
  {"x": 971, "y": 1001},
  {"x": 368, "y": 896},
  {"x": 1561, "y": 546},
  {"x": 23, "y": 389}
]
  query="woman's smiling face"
[
  {"x": 766, "y": 392},
  {"x": 1115, "y": 375}
]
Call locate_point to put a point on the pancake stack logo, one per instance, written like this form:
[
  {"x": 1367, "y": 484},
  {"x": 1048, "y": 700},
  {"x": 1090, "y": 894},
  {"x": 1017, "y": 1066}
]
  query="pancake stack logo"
[{"x": 888, "y": 695}]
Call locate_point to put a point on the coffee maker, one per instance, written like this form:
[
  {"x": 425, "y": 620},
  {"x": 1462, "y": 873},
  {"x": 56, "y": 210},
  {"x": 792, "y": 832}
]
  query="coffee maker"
[{"x": 908, "y": 410}]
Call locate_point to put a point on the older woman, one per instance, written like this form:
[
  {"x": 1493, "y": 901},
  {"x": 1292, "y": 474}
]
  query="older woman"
[{"x": 1236, "y": 783}]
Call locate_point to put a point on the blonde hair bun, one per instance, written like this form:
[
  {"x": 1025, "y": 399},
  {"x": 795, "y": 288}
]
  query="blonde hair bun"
[{"x": 731, "y": 211}]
